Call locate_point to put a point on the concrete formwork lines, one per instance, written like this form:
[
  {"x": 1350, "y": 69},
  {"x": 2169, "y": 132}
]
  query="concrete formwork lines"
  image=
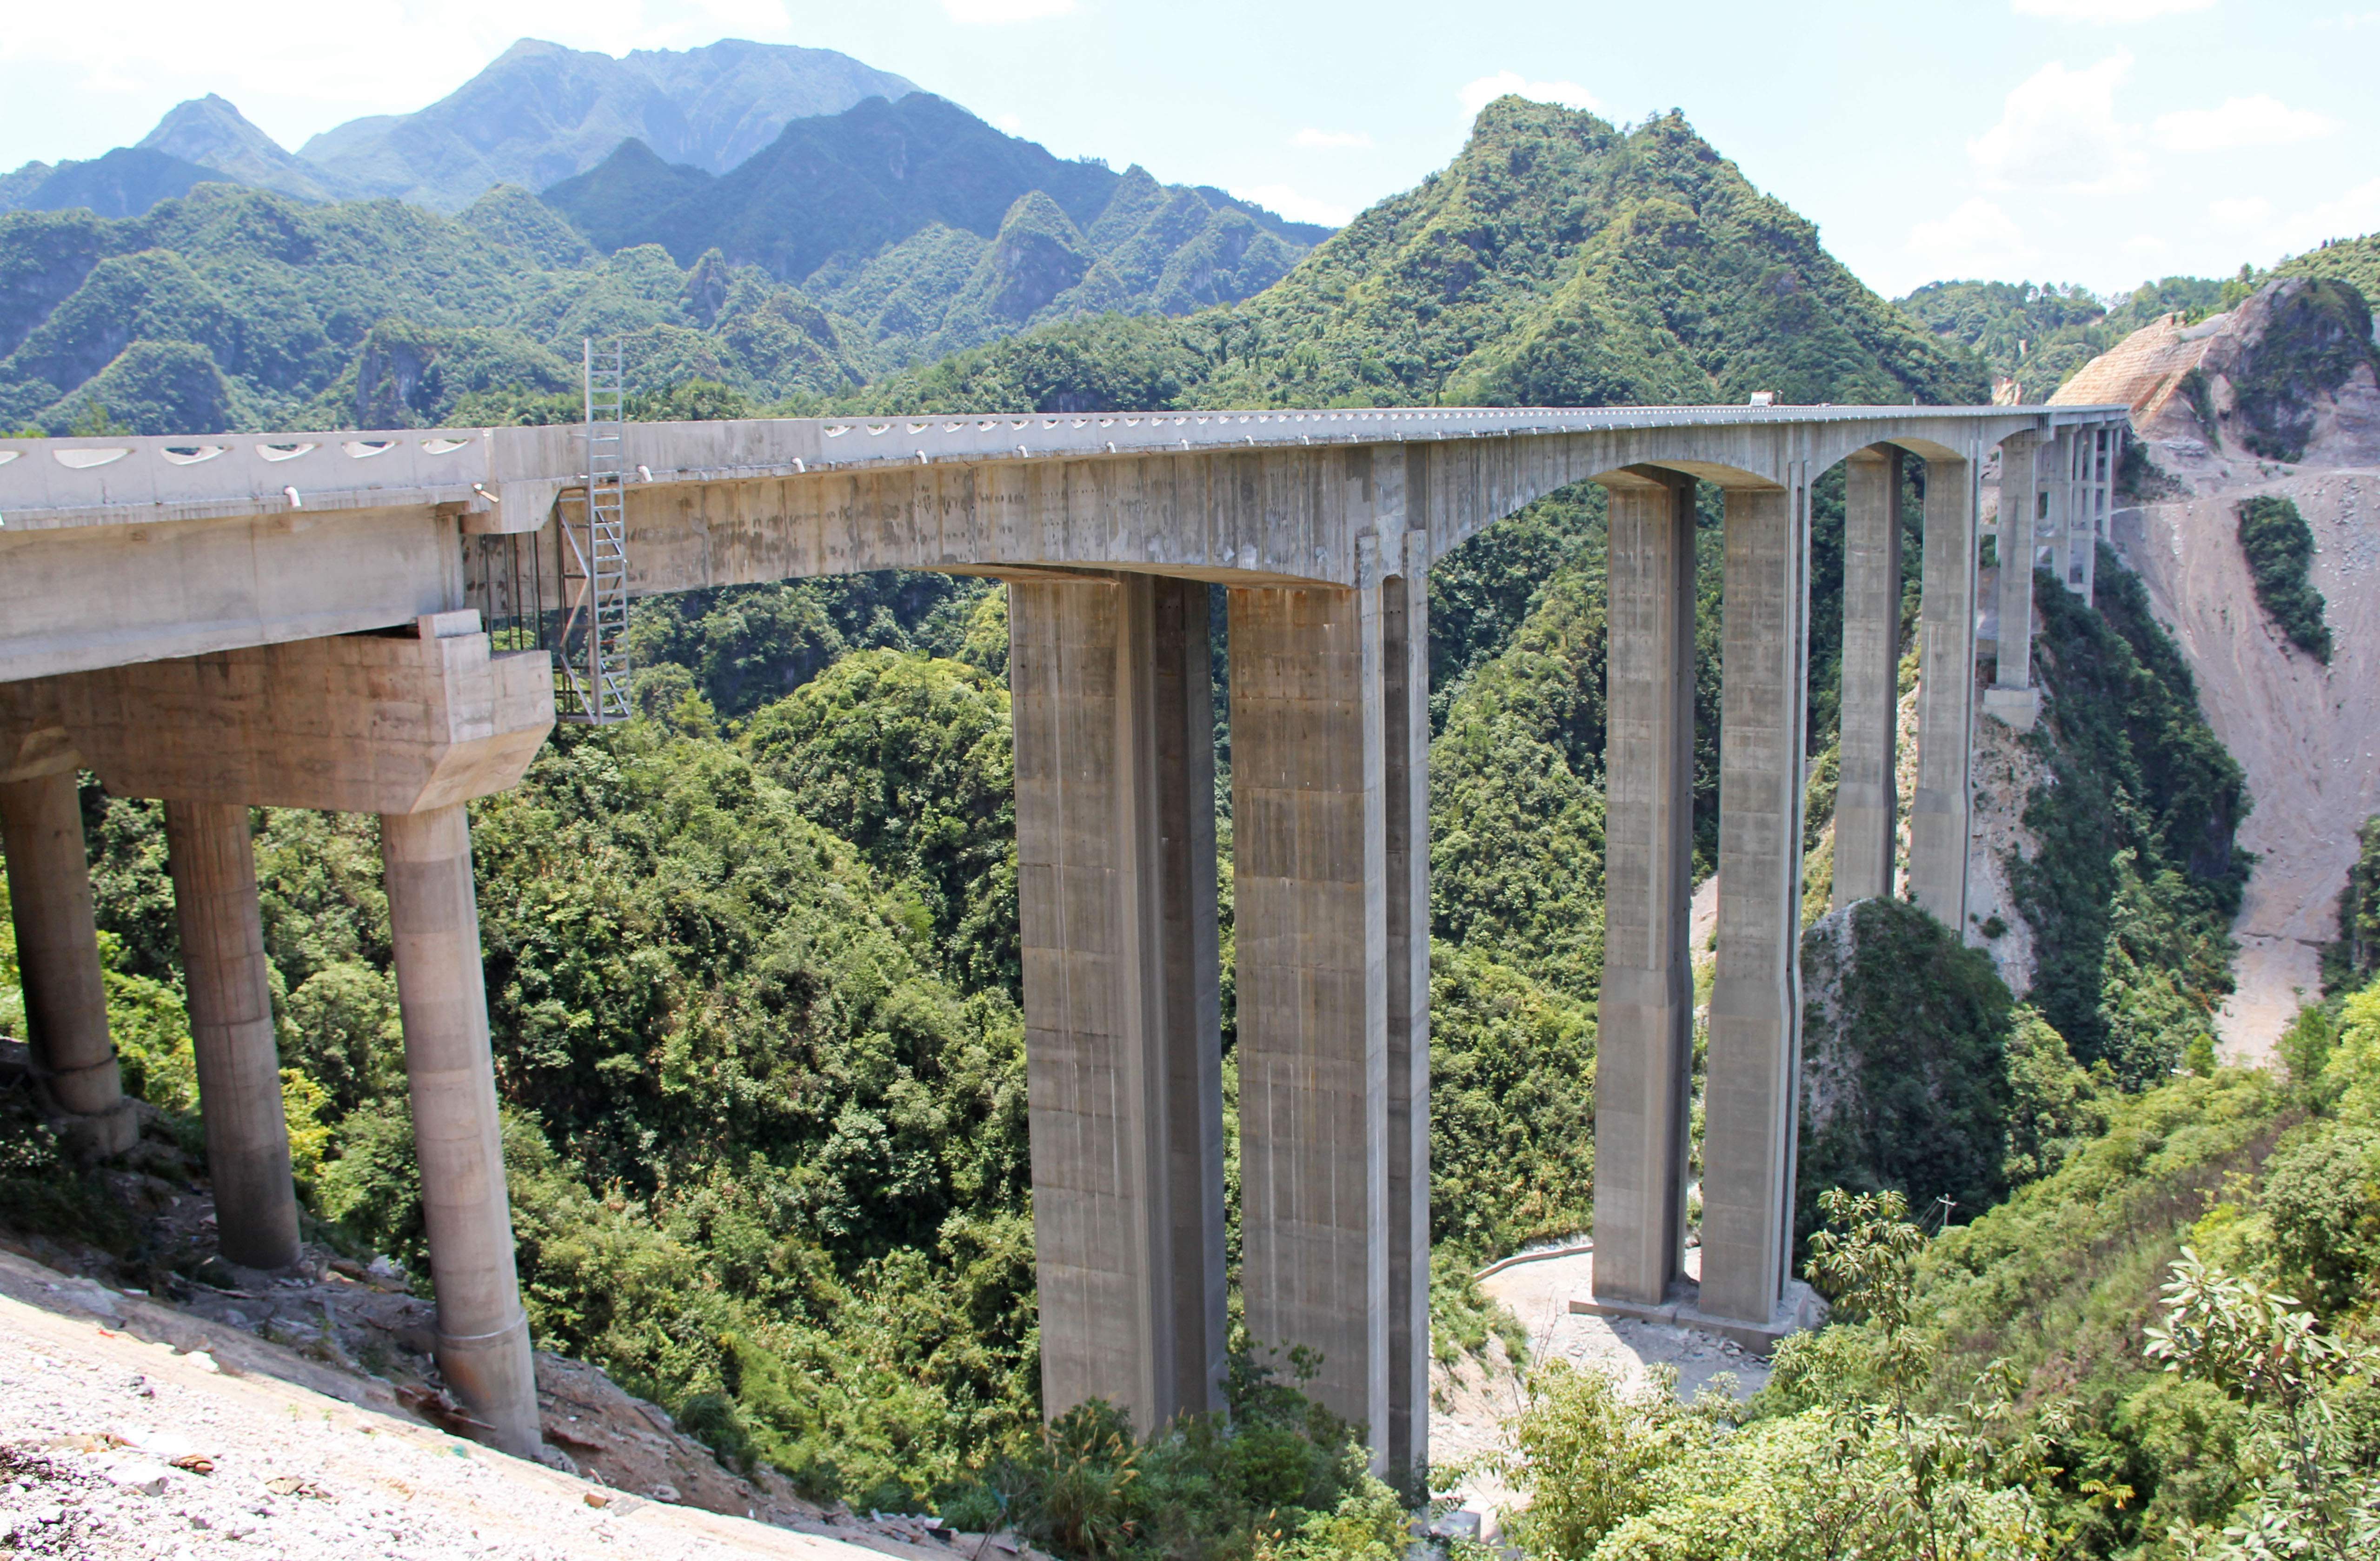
[
  {"x": 1946, "y": 638},
  {"x": 1115, "y": 867},
  {"x": 1404, "y": 686},
  {"x": 1309, "y": 833},
  {"x": 1755, "y": 1006},
  {"x": 1645, "y": 1044},
  {"x": 1867, "y": 809}
]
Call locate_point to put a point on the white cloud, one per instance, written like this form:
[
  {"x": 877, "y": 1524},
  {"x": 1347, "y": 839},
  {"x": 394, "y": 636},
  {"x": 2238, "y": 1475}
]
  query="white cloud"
[
  {"x": 2110, "y": 12},
  {"x": 1477, "y": 95},
  {"x": 1011, "y": 123},
  {"x": 1000, "y": 13},
  {"x": 1297, "y": 207},
  {"x": 1313, "y": 139},
  {"x": 1977, "y": 239},
  {"x": 2059, "y": 130},
  {"x": 2261, "y": 120}
]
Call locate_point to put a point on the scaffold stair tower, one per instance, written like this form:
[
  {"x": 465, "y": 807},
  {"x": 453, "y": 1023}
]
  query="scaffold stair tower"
[{"x": 592, "y": 658}]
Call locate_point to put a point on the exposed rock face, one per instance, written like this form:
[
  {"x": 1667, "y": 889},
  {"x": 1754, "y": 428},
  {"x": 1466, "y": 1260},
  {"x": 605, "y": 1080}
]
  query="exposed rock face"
[
  {"x": 2290, "y": 375},
  {"x": 2278, "y": 396}
]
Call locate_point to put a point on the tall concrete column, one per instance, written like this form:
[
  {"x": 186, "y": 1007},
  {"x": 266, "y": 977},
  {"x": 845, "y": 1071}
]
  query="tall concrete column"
[
  {"x": 2054, "y": 545},
  {"x": 482, "y": 1340},
  {"x": 57, "y": 957},
  {"x": 1644, "y": 1046},
  {"x": 228, "y": 985},
  {"x": 1946, "y": 637},
  {"x": 1404, "y": 779},
  {"x": 2023, "y": 497},
  {"x": 1115, "y": 830},
  {"x": 1310, "y": 868},
  {"x": 1866, "y": 805},
  {"x": 1749, "y": 1115}
]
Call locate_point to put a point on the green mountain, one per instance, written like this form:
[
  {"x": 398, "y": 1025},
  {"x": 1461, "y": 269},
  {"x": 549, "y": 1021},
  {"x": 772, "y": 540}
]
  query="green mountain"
[
  {"x": 1558, "y": 259},
  {"x": 363, "y": 312},
  {"x": 211, "y": 133},
  {"x": 539, "y": 113},
  {"x": 934, "y": 232},
  {"x": 122, "y": 183}
]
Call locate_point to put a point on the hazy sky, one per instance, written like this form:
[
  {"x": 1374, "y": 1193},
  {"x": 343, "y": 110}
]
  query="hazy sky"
[{"x": 2098, "y": 141}]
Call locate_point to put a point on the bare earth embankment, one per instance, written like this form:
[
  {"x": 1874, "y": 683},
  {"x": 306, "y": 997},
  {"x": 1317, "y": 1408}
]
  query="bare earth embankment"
[{"x": 2308, "y": 736}]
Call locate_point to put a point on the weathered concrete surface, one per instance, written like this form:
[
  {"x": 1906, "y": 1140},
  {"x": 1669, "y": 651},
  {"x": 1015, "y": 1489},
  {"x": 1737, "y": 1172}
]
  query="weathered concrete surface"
[
  {"x": 106, "y": 565},
  {"x": 57, "y": 958},
  {"x": 1644, "y": 1043},
  {"x": 483, "y": 1345},
  {"x": 228, "y": 985},
  {"x": 1405, "y": 782},
  {"x": 1756, "y": 1007},
  {"x": 1116, "y": 889},
  {"x": 1309, "y": 822},
  {"x": 1867, "y": 808},
  {"x": 400, "y": 722},
  {"x": 1946, "y": 650}
]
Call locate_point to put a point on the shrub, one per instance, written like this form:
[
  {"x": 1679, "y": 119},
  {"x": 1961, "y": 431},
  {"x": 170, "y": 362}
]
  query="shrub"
[{"x": 2279, "y": 546}]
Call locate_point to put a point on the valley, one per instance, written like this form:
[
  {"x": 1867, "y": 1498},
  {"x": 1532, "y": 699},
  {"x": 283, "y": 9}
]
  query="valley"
[{"x": 762, "y": 1022}]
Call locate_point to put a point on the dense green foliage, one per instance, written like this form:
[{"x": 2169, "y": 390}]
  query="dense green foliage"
[
  {"x": 1906, "y": 1076},
  {"x": 2280, "y": 548},
  {"x": 2355, "y": 261},
  {"x": 1557, "y": 260},
  {"x": 2163, "y": 1349},
  {"x": 2137, "y": 879},
  {"x": 2354, "y": 958},
  {"x": 2038, "y": 335}
]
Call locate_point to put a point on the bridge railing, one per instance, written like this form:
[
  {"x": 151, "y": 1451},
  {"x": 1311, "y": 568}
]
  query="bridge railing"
[{"x": 48, "y": 482}]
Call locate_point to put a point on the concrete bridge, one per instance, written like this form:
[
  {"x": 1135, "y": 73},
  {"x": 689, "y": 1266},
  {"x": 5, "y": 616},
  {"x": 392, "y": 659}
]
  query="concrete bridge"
[{"x": 296, "y": 621}]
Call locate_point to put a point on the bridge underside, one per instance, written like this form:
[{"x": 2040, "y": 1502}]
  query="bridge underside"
[{"x": 322, "y": 651}]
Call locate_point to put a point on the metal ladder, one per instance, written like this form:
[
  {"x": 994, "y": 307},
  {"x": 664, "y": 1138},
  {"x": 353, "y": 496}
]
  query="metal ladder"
[{"x": 591, "y": 655}]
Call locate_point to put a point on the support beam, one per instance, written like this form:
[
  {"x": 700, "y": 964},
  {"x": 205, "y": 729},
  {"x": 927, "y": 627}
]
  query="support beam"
[
  {"x": 1866, "y": 804},
  {"x": 1310, "y": 868},
  {"x": 2012, "y": 697},
  {"x": 228, "y": 985},
  {"x": 58, "y": 959},
  {"x": 1113, "y": 699},
  {"x": 483, "y": 1339},
  {"x": 1756, "y": 1010},
  {"x": 1404, "y": 704},
  {"x": 1645, "y": 1044},
  {"x": 1946, "y": 638}
]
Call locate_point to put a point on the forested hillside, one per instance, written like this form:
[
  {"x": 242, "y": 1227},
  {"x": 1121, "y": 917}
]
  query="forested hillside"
[
  {"x": 753, "y": 956},
  {"x": 1558, "y": 261}
]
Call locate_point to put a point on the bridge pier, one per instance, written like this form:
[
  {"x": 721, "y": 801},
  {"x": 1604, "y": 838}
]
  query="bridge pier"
[
  {"x": 2012, "y": 697},
  {"x": 409, "y": 724},
  {"x": 227, "y": 983},
  {"x": 1866, "y": 804},
  {"x": 1752, "y": 1062},
  {"x": 483, "y": 1339},
  {"x": 1115, "y": 828},
  {"x": 1945, "y": 640},
  {"x": 1310, "y": 782},
  {"x": 57, "y": 952},
  {"x": 1644, "y": 1043}
]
